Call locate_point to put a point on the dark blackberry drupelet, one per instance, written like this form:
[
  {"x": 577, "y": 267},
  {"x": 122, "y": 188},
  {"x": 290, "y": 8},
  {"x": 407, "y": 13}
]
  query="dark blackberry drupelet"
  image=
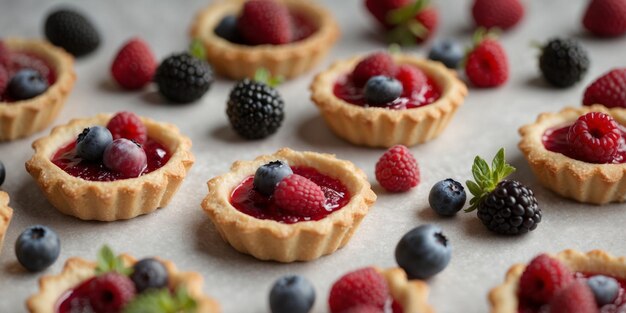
[
  {"x": 510, "y": 209},
  {"x": 183, "y": 78},
  {"x": 72, "y": 31},
  {"x": 255, "y": 110},
  {"x": 563, "y": 62}
]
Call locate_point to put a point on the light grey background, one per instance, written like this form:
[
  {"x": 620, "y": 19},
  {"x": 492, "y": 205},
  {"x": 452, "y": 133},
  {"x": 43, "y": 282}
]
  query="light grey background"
[{"x": 181, "y": 232}]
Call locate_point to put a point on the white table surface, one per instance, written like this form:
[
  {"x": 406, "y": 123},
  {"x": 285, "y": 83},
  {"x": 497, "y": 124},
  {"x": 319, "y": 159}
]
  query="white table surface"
[{"x": 183, "y": 233}]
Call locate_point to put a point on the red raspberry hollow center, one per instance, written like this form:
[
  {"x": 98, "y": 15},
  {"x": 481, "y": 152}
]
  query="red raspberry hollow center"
[{"x": 595, "y": 137}]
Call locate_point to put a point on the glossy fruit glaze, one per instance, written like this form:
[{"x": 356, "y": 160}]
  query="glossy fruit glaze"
[
  {"x": 302, "y": 27},
  {"x": 345, "y": 90},
  {"x": 618, "y": 306},
  {"x": 13, "y": 61},
  {"x": 66, "y": 159},
  {"x": 75, "y": 300},
  {"x": 555, "y": 140},
  {"x": 247, "y": 200}
]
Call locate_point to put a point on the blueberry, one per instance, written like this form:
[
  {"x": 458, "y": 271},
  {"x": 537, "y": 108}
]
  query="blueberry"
[
  {"x": 26, "y": 84},
  {"x": 269, "y": 175},
  {"x": 149, "y": 273},
  {"x": 447, "y": 197},
  {"x": 3, "y": 173},
  {"x": 37, "y": 248},
  {"x": 92, "y": 141},
  {"x": 381, "y": 90},
  {"x": 227, "y": 28},
  {"x": 605, "y": 289},
  {"x": 423, "y": 252},
  {"x": 448, "y": 52},
  {"x": 292, "y": 294}
]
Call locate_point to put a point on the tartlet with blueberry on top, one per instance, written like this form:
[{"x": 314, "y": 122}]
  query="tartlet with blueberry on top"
[{"x": 109, "y": 167}]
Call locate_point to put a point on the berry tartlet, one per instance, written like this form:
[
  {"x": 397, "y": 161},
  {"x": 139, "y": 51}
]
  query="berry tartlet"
[
  {"x": 109, "y": 167},
  {"x": 429, "y": 96},
  {"x": 289, "y": 206},
  {"x": 569, "y": 281},
  {"x": 33, "y": 99},
  {"x": 120, "y": 284},
  {"x": 579, "y": 153},
  {"x": 311, "y": 32},
  {"x": 5, "y": 216}
]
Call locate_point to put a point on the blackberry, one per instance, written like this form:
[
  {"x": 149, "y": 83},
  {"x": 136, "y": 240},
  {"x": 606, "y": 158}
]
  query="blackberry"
[
  {"x": 563, "y": 62},
  {"x": 183, "y": 78},
  {"x": 72, "y": 31},
  {"x": 505, "y": 207},
  {"x": 255, "y": 110}
]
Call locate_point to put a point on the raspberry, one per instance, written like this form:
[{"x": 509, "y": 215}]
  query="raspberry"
[
  {"x": 297, "y": 195},
  {"x": 128, "y": 125},
  {"x": 575, "y": 298},
  {"x": 397, "y": 170},
  {"x": 110, "y": 292},
  {"x": 364, "y": 309},
  {"x": 363, "y": 287},
  {"x": 487, "y": 64},
  {"x": 265, "y": 22},
  {"x": 429, "y": 19},
  {"x": 503, "y": 14},
  {"x": 134, "y": 65},
  {"x": 608, "y": 90},
  {"x": 543, "y": 278},
  {"x": 379, "y": 63},
  {"x": 594, "y": 137},
  {"x": 412, "y": 79},
  {"x": 381, "y": 8},
  {"x": 606, "y": 18}
]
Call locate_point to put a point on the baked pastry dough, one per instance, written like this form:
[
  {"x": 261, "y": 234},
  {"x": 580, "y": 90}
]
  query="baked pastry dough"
[
  {"x": 5, "y": 216},
  {"x": 412, "y": 295}
]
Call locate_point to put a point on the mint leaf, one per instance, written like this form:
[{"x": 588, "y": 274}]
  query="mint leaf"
[
  {"x": 108, "y": 262},
  {"x": 162, "y": 301},
  {"x": 474, "y": 188},
  {"x": 262, "y": 75},
  {"x": 486, "y": 179},
  {"x": 196, "y": 49}
]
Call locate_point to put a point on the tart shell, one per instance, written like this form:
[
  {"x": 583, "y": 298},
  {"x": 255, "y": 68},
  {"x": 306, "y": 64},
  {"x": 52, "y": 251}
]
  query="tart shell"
[
  {"x": 412, "y": 295},
  {"x": 571, "y": 178},
  {"x": 302, "y": 241},
  {"x": 381, "y": 127},
  {"x": 115, "y": 200},
  {"x": 504, "y": 299},
  {"x": 77, "y": 270},
  {"x": 5, "y": 216},
  {"x": 23, "y": 118},
  {"x": 289, "y": 60}
]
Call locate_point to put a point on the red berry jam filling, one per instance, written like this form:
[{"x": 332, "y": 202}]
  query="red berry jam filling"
[
  {"x": 66, "y": 159},
  {"x": 75, "y": 300},
  {"x": 619, "y": 305},
  {"x": 302, "y": 26},
  {"x": 247, "y": 200},
  {"x": 345, "y": 90},
  {"x": 14, "y": 61},
  {"x": 555, "y": 140}
]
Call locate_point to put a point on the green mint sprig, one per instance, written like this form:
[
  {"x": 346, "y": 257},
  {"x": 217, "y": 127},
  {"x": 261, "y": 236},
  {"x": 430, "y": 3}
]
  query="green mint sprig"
[
  {"x": 406, "y": 26},
  {"x": 162, "y": 301},
  {"x": 196, "y": 49},
  {"x": 263, "y": 75},
  {"x": 487, "y": 178},
  {"x": 109, "y": 262}
]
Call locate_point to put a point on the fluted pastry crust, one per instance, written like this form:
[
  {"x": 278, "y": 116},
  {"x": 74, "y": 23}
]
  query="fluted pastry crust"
[
  {"x": 115, "y": 200},
  {"x": 302, "y": 241},
  {"x": 412, "y": 295},
  {"x": 5, "y": 216}
]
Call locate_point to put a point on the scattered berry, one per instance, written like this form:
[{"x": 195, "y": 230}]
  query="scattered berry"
[
  {"x": 379, "y": 63},
  {"x": 574, "y": 298},
  {"x": 410, "y": 23},
  {"x": 125, "y": 157},
  {"x": 37, "y": 248},
  {"x": 111, "y": 292},
  {"x": 563, "y": 62},
  {"x": 72, "y": 31},
  {"x": 608, "y": 90},
  {"x": 380, "y": 90},
  {"x": 504, "y": 206},
  {"x": 128, "y": 125},
  {"x": 292, "y": 294},
  {"x": 26, "y": 84},
  {"x": 269, "y": 175},
  {"x": 487, "y": 64},
  {"x": 397, "y": 170},
  {"x": 502, "y": 14},
  {"x": 595, "y": 137},
  {"x": 543, "y": 278},
  {"x": 265, "y": 22},
  {"x": 363, "y": 308},
  {"x": 428, "y": 17},
  {"x": 92, "y": 142},
  {"x": 423, "y": 252},
  {"x": 447, "y": 51},
  {"x": 380, "y": 9},
  {"x": 605, "y": 289},
  {"x": 606, "y": 18},
  {"x": 412, "y": 79},
  {"x": 183, "y": 78},
  {"x": 227, "y": 28},
  {"x": 362, "y": 287},
  {"x": 149, "y": 274},
  {"x": 134, "y": 65},
  {"x": 299, "y": 196},
  {"x": 3, "y": 173},
  {"x": 447, "y": 197},
  {"x": 254, "y": 109}
]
